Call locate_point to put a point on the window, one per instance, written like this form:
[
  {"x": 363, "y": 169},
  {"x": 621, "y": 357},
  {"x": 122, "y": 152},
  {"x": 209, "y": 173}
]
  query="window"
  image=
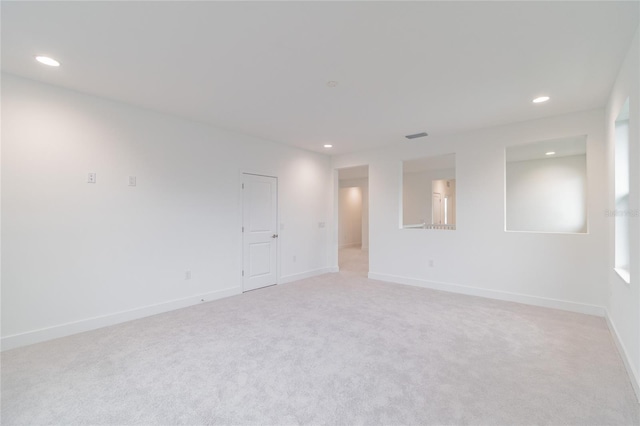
[
  {"x": 429, "y": 193},
  {"x": 546, "y": 186}
]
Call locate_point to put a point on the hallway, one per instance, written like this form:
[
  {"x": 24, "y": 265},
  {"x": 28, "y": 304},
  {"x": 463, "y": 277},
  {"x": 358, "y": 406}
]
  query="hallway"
[{"x": 353, "y": 261}]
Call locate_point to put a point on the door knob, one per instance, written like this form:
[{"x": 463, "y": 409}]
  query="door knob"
[{"x": 274, "y": 236}]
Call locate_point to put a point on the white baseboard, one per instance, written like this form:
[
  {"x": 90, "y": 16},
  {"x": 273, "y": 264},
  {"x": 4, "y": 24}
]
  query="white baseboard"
[
  {"x": 633, "y": 375},
  {"x": 62, "y": 330},
  {"x": 308, "y": 274},
  {"x": 494, "y": 294}
]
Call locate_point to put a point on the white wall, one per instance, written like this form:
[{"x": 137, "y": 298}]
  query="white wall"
[
  {"x": 624, "y": 298},
  {"x": 480, "y": 257},
  {"x": 79, "y": 255},
  {"x": 365, "y": 216},
  {"x": 547, "y": 195}
]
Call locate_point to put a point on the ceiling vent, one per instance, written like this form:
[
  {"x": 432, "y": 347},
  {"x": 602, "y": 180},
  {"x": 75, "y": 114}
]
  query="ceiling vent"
[{"x": 416, "y": 135}]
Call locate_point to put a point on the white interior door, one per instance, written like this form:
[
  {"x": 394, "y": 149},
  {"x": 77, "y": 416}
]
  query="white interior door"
[
  {"x": 259, "y": 231},
  {"x": 436, "y": 208}
]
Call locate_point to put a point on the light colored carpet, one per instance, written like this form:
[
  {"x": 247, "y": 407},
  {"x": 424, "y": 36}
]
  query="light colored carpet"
[
  {"x": 335, "y": 349},
  {"x": 353, "y": 261}
]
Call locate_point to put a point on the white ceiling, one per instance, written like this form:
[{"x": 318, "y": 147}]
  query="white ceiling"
[
  {"x": 564, "y": 147},
  {"x": 261, "y": 68}
]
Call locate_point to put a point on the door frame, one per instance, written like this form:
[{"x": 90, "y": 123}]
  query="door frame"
[
  {"x": 241, "y": 220},
  {"x": 335, "y": 246}
]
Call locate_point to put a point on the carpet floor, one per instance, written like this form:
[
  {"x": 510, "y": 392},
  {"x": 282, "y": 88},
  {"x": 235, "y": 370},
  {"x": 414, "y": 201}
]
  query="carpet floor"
[{"x": 334, "y": 349}]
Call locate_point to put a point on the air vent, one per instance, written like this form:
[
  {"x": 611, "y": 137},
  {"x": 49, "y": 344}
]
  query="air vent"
[{"x": 417, "y": 135}]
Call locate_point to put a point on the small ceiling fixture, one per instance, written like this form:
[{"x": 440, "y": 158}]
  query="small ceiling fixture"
[
  {"x": 47, "y": 61},
  {"x": 417, "y": 135},
  {"x": 332, "y": 83},
  {"x": 541, "y": 99},
  {"x": 550, "y": 153},
  {"x": 328, "y": 145}
]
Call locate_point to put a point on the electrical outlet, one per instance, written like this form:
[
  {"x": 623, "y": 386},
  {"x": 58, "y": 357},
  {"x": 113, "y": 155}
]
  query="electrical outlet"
[
  {"x": 132, "y": 181},
  {"x": 91, "y": 178},
  {"x": 187, "y": 275},
  {"x": 431, "y": 263},
  {"x": 321, "y": 224},
  {"x": 294, "y": 259}
]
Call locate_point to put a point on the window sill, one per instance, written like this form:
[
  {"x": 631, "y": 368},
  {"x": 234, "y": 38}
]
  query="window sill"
[{"x": 624, "y": 274}]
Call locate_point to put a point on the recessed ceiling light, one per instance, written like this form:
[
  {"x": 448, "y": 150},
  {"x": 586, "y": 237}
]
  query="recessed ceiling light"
[
  {"x": 47, "y": 61},
  {"x": 550, "y": 153},
  {"x": 332, "y": 83},
  {"x": 328, "y": 145},
  {"x": 541, "y": 99}
]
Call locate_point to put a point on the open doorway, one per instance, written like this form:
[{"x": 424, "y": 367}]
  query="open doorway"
[{"x": 353, "y": 220}]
